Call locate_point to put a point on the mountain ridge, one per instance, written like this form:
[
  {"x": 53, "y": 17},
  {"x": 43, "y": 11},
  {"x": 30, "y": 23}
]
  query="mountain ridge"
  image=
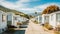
[{"x": 14, "y": 11}]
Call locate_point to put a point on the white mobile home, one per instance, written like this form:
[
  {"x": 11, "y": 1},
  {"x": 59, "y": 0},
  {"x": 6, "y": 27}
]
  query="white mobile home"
[
  {"x": 45, "y": 18},
  {"x": 3, "y": 21},
  {"x": 52, "y": 18},
  {"x": 55, "y": 19},
  {"x": 23, "y": 19},
  {"x": 12, "y": 19},
  {"x": 16, "y": 20}
]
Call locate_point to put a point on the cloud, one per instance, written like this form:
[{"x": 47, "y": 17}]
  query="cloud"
[
  {"x": 9, "y": 5},
  {"x": 42, "y": 7},
  {"x": 27, "y": 0},
  {"x": 23, "y": 0},
  {"x": 12, "y": 5},
  {"x": 22, "y": 5},
  {"x": 19, "y": 5}
]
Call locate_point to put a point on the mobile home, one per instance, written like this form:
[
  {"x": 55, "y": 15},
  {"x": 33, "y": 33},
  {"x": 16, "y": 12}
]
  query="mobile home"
[
  {"x": 55, "y": 19},
  {"x": 16, "y": 20},
  {"x": 45, "y": 18},
  {"x": 12, "y": 19},
  {"x": 3, "y": 21},
  {"x": 52, "y": 18}
]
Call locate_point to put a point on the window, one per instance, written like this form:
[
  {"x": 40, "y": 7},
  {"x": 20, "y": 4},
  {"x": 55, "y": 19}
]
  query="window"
[
  {"x": 46, "y": 18},
  {"x": 9, "y": 17},
  {"x": 15, "y": 18},
  {"x": 18, "y": 20},
  {"x": 58, "y": 17},
  {"x": 3, "y": 18},
  {"x": 40, "y": 19},
  {"x": 52, "y": 17}
]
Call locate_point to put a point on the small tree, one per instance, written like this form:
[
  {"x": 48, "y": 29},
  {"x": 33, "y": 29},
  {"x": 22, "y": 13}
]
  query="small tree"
[
  {"x": 51, "y": 9},
  {"x": 35, "y": 12}
]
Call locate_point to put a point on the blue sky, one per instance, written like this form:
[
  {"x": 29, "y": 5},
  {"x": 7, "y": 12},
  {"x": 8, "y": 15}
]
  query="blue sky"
[{"x": 29, "y": 6}]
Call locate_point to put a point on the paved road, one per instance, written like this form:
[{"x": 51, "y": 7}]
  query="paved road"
[{"x": 36, "y": 29}]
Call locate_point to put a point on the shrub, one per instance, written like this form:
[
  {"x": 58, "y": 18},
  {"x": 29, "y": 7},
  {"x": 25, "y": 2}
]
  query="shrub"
[
  {"x": 11, "y": 30},
  {"x": 42, "y": 24},
  {"x": 57, "y": 29},
  {"x": 49, "y": 27},
  {"x": 57, "y": 32},
  {"x": 36, "y": 22}
]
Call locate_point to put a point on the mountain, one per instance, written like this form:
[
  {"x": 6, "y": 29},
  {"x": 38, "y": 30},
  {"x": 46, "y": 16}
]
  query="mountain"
[{"x": 14, "y": 11}]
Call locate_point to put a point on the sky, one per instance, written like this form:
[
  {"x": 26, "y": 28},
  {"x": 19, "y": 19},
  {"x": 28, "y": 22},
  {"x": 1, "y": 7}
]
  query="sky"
[{"x": 28, "y": 6}]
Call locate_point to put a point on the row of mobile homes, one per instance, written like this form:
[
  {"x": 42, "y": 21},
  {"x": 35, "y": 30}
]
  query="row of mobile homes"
[
  {"x": 9, "y": 19},
  {"x": 3, "y": 21}
]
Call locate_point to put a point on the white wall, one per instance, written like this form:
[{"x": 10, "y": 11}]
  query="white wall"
[
  {"x": 15, "y": 21},
  {"x": 52, "y": 20},
  {"x": 43, "y": 18},
  {"x": 0, "y": 19}
]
